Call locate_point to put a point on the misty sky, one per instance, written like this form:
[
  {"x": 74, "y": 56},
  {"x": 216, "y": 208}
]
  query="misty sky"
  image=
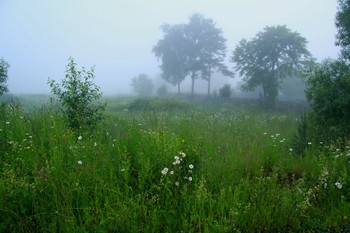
[{"x": 117, "y": 36}]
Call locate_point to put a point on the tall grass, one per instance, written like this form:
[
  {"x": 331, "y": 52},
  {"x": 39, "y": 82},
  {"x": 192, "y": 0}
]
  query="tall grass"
[{"x": 186, "y": 168}]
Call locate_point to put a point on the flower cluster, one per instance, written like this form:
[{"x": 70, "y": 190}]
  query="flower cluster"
[{"x": 178, "y": 169}]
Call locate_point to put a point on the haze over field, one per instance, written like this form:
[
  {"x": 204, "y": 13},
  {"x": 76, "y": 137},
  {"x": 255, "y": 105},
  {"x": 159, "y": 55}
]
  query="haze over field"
[{"x": 117, "y": 37}]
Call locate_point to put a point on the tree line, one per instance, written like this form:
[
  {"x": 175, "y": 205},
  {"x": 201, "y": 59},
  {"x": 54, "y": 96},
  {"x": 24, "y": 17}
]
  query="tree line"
[{"x": 198, "y": 49}]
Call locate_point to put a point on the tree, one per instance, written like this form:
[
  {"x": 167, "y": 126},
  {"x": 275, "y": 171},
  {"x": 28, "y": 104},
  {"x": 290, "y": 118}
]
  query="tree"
[
  {"x": 3, "y": 76},
  {"x": 196, "y": 49},
  {"x": 270, "y": 56},
  {"x": 143, "y": 85},
  {"x": 78, "y": 95},
  {"x": 342, "y": 22},
  {"x": 225, "y": 91},
  {"x": 328, "y": 91},
  {"x": 207, "y": 49},
  {"x": 172, "y": 52}
]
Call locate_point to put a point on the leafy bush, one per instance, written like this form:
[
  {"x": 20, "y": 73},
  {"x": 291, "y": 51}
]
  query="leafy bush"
[
  {"x": 162, "y": 90},
  {"x": 328, "y": 91},
  {"x": 225, "y": 91},
  {"x": 3, "y": 76},
  {"x": 78, "y": 95}
]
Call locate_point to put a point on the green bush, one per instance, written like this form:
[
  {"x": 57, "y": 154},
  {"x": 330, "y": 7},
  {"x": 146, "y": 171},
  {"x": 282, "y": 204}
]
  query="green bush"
[
  {"x": 328, "y": 91},
  {"x": 78, "y": 95},
  {"x": 225, "y": 91}
]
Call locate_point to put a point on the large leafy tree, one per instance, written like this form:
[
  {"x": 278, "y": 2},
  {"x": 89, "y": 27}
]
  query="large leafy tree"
[
  {"x": 207, "y": 49},
  {"x": 171, "y": 50},
  {"x": 3, "y": 76},
  {"x": 342, "y": 22},
  {"x": 273, "y": 54},
  {"x": 195, "y": 49}
]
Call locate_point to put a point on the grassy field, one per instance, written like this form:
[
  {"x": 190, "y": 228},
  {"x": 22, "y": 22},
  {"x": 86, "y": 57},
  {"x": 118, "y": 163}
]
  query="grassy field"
[{"x": 168, "y": 165}]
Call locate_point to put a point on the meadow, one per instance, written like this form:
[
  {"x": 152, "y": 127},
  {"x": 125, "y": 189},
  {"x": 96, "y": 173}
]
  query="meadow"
[{"x": 168, "y": 165}]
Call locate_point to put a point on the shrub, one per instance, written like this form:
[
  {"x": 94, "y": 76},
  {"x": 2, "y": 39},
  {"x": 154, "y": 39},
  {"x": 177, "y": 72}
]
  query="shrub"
[
  {"x": 225, "y": 91},
  {"x": 78, "y": 95},
  {"x": 162, "y": 90},
  {"x": 3, "y": 76},
  {"x": 328, "y": 91}
]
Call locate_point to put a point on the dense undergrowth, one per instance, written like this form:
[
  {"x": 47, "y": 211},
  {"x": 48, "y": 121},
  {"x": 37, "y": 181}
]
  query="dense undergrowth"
[{"x": 183, "y": 168}]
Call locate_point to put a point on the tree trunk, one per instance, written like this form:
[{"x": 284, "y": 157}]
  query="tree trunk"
[
  {"x": 209, "y": 76},
  {"x": 193, "y": 76}
]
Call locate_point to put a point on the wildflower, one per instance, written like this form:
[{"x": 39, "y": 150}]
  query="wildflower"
[
  {"x": 265, "y": 133},
  {"x": 177, "y": 183},
  {"x": 95, "y": 144},
  {"x": 165, "y": 171},
  {"x": 7, "y": 122},
  {"x": 176, "y": 158},
  {"x": 191, "y": 166},
  {"x": 338, "y": 185},
  {"x": 290, "y": 149},
  {"x": 80, "y": 162},
  {"x": 190, "y": 178},
  {"x": 80, "y": 137},
  {"x": 122, "y": 169},
  {"x": 171, "y": 172},
  {"x": 182, "y": 154},
  {"x": 309, "y": 143}
]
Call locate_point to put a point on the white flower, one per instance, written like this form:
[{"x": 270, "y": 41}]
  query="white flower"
[
  {"x": 165, "y": 171},
  {"x": 338, "y": 185},
  {"x": 171, "y": 172},
  {"x": 123, "y": 169},
  {"x": 95, "y": 144},
  {"x": 191, "y": 166},
  {"x": 190, "y": 178},
  {"x": 177, "y": 183},
  {"x": 176, "y": 158},
  {"x": 80, "y": 137},
  {"x": 290, "y": 149},
  {"x": 182, "y": 154},
  {"x": 7, "y": 122},
  {"x": 309, "y": 143},
  {"x": 80, "y": 162}
]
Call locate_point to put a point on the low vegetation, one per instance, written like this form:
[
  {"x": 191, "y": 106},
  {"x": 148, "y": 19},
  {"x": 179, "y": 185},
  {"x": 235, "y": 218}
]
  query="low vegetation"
[{"x": 192, "y": 168}]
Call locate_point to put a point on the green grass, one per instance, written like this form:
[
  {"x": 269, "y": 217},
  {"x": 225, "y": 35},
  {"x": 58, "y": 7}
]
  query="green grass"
[{"x": 244, "y": 176}]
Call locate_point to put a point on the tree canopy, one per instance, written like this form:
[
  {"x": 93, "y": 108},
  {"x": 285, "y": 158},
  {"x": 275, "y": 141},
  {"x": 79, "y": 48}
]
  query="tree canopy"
[
  {"x": 3, "y": 76},
  {"x": 342, "y": 22},
  {"x": 273, "y": 54},
  {"x": 196, "y": 49},
  {"x": 171, "y": 50}
]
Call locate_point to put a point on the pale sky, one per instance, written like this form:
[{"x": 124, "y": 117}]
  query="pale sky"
[{"x": 117, "y": 36}]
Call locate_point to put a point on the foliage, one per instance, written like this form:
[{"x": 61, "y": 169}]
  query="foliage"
[
  {"x": 115, "y": 180},
  {"x": 78, "y": 95},
  {"x": 172, "y": 52},
  {"x": 206, "y": 50},
  {"x": 225, "y": 91},
  {"x": 196, "y": 48},
  {"x": 328, "y": 91},
  {"x": 162, "y": 90},
  {"x": 271, "y": 55},
  {"x": 342, "y": 22},
  {"x": 3, "y": 76},
  {"x": 142, "y": 85}
]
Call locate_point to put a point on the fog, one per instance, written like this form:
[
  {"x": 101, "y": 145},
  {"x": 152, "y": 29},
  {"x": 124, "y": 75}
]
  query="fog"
[{"x": 38, "y": 36}]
